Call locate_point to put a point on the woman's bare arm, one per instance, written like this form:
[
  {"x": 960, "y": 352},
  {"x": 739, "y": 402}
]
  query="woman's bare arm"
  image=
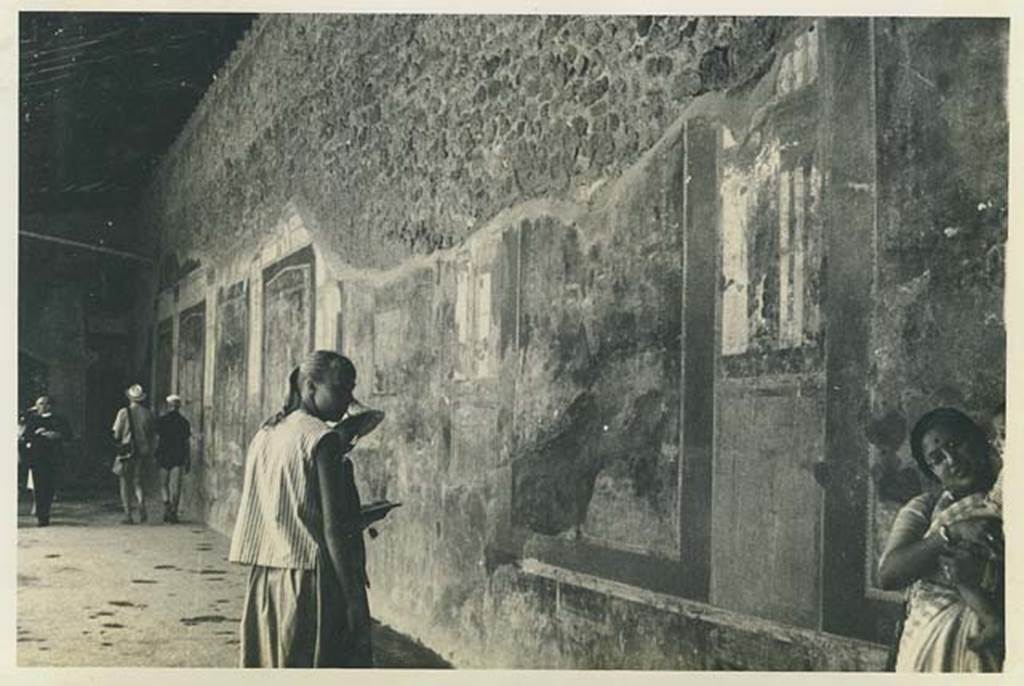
[
  {"x": 340, "y": 527},
  {"x": 906, "y": 564}
]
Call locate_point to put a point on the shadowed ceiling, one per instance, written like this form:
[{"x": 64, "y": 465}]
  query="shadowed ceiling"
[
  {"x": 101, "y": 98},
  {"x": 103, "y": 95}
]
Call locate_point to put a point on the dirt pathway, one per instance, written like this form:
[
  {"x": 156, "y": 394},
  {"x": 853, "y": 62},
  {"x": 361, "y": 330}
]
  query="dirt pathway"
[{"x": 93, "y": 592}]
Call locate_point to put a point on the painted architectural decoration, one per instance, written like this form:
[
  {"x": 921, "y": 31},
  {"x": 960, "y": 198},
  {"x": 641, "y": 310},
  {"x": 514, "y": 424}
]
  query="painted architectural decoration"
[
  {"x": 229, "y": 391},
  {"x": 288, "y": 307},
  {"x": 772, "y": 226},
  {"x": 164, "y": 361}
]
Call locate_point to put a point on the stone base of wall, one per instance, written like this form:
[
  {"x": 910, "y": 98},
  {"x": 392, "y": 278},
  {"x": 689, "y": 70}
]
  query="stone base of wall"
[{"x": 546, "y": 617}]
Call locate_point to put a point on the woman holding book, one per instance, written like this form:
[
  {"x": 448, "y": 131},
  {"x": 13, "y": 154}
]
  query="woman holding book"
[{"x": 299, "y": 526}]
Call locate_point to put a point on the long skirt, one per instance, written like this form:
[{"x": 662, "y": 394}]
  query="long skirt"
[
  {"x": 935, "y": 635},
  {"x": 296, "y": 618}
]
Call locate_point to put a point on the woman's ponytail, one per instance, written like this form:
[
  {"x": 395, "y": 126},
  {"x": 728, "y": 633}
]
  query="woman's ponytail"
[
  {"x": 316, "y": 366},
  {"x": 291, "y": 403}
]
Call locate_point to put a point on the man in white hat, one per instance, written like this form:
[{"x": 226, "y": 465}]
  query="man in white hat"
[
  {"x": 135, "y": 431},
  {"x": 172, "y": 454}
]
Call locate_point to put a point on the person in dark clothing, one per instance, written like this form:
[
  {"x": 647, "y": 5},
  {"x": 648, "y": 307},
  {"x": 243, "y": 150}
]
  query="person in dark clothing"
[
  {"x": 41, "y": 446},
  {"x": 23, "y": 488},
  {"x": 172, "y": 454}
]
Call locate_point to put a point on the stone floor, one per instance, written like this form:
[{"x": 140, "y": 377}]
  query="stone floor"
[{"x": 93, "y": 592}]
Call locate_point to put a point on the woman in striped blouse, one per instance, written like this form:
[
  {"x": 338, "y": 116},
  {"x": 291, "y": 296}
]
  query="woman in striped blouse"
[{"x": 299, "y": 528}]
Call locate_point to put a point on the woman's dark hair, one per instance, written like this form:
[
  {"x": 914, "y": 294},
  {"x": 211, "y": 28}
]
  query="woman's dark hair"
[
  {"x": 315, "y": 366},
  {"x": 949, "y": 417}
]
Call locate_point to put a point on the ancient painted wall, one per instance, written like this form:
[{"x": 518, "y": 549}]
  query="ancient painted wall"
[
  {"x": 229, "y": 420},
  {"x": 939, "y": 330},
  {"x": 287, "y": 322},
  {"x": 213, "y": 317},
  {"x": 163, "y": 362},
  {"x": 605, "y": 277},
  {"x": 770, "y": 422}
]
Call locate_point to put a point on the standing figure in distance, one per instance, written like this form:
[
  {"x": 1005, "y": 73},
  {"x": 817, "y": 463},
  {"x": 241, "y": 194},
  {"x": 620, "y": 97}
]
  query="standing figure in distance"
[
  {"x": 299, "y": 526},
  {"x": 24, "y": 446},
  {"x": 172, "y": 455},
  {"x": 41, "y": 440},
  {"x": 136, "y": 426}
]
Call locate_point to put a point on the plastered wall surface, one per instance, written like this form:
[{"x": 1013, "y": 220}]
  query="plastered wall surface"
[
  {"x": 939, "y": 334},
  {"x": 533, "y": 236}
]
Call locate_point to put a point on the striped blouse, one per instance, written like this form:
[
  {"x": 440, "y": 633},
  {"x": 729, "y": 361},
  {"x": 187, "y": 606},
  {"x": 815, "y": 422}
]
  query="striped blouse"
[{"x": 279, "y": 522}]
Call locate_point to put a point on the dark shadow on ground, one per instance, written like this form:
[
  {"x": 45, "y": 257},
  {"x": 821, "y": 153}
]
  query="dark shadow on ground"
[{"x": 392, "y": 650}]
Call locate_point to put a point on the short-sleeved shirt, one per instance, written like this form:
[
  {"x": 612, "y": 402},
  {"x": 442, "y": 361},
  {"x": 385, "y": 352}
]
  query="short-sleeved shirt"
[
  {"x": 145, "y": 429},
  {"x": 279, "y": 522},
  {"x": 913, "y": 520},
  {"x": 174, "y": 432}
]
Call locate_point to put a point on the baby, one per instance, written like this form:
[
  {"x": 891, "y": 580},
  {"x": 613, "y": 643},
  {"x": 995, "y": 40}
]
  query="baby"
[
  {"x": 998, "y": 438},
  {"x": 986, "y": 597}
]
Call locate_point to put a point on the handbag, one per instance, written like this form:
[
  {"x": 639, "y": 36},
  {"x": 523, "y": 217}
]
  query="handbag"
[{"x": 124, "y": 451}]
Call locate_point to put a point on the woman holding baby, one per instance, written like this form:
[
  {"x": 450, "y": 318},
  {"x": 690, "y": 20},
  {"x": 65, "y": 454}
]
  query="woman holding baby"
[{"x": 946, "y": 546}]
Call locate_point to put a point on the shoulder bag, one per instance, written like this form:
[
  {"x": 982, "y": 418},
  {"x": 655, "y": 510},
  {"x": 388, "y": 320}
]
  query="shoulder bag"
[{"x": 125, "y": 451}]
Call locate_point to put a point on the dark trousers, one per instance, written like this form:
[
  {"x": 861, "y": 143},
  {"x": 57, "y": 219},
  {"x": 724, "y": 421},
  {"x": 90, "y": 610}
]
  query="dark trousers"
[
  {"x": 44, "y": 479},
  {"x": 22, "y": 476}
]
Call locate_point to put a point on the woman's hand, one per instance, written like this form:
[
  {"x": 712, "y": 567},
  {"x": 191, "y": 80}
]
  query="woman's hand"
[
  {"x": 961, "y": 566},
  {"x": 979, "y": 535}
]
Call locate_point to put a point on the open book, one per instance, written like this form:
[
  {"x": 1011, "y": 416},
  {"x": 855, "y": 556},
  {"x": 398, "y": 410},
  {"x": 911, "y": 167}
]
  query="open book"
[{"x": 377, "y": 510}]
